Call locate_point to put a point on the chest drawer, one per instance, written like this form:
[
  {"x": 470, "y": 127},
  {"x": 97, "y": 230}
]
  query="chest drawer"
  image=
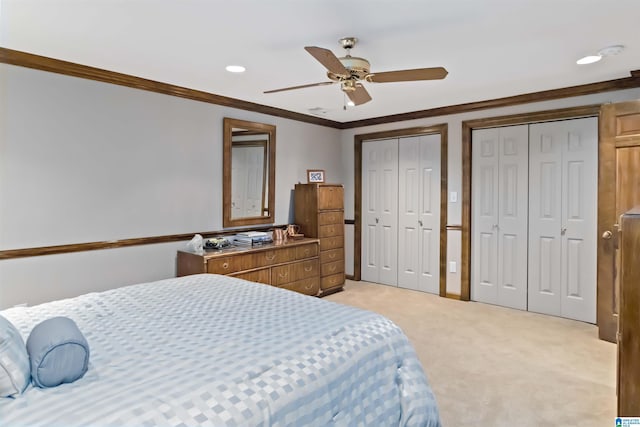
[
  {"x": 331, "y": 255},
  {"x": 332, "y": 281},
  {"x": 331, "y": 243},
  {"x": 331, "y": 230},
  {"x": 330, "y": 197},
  {"x": 306, "y": 251},
  {"x": 332, "y": 217},
  {"x": 330, "y": 268}
]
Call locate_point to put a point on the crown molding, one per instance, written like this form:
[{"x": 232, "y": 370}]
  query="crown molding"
[
  {"x": 43, "y": 63},
  {"x": 546, "y": 95}
]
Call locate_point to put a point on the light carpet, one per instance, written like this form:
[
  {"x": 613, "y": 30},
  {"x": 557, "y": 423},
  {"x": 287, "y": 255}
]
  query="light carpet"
[{"x": 493, "y": 366}]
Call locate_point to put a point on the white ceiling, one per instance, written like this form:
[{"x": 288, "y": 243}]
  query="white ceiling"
[{"x": 491, "y": 48}]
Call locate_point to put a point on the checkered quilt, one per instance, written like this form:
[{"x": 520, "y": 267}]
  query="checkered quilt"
[{"x": 210, "y": 350}]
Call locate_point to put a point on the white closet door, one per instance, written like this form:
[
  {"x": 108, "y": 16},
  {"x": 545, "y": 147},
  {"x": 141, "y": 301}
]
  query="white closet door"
[
  {"x": 562, "y": 278},
  {"x": 380, "y": 211},
  {"x": 499, "y": 216},
  {"x": 512, "y": 217},
  {"x": 484, "y": 218},
  {"x": 419, "y": 213}
]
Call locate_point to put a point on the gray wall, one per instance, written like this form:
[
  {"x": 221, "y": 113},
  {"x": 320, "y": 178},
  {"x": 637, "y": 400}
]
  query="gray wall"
[{"x": 84, "y": 161}]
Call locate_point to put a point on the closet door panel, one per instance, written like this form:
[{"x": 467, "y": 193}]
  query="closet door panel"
[
  {"x": 408, "y": 207},
  {"x": 429, "y": 213},
  {"x": 380, "y": 217},
  {"x": 512, "y": 216},
  {"x": 579, "y": 207},
  {"x": 389, "y": 213},
  {"x": 484, "y": 219},
  {"x": 545, "y": 218},
  {"x": 370, "y": 207}
]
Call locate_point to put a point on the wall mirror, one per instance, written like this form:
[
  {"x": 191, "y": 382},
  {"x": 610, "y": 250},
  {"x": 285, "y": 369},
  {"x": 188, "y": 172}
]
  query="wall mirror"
[{"x": 248, "y": 173}]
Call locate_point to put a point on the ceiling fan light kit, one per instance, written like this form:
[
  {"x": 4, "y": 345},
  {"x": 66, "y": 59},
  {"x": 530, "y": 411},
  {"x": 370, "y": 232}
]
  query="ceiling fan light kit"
[{"x": 350, "y": 71}]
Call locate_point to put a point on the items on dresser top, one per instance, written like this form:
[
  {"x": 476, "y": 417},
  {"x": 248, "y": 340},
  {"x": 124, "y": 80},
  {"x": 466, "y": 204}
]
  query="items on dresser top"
[
  {"x": 292, "y": 265},
  {"x": 319, "y": 211}
]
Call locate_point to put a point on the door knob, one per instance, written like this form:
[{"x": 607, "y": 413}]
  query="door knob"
[
  {"x": 420, "y": 223},
  {"x": 607, "y": 235}
]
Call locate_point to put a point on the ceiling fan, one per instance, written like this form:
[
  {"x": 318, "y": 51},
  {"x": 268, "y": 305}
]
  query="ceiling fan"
[{"x": 350, "y": 71}]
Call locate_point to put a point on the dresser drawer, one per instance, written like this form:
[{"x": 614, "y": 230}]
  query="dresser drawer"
[
  {"x": 260, "y": 276},
  {"x": 330, "y": 268},
  {"x": 331, "y": 255},
  {"x": 282, "y": 274},
  {"x": 332, "y": 281},
  {"x": 331, "y": 243},
  {"x": 309, "y": 286},
  {"x": 274, "y": 256},
  {"x": 228, "y": 265},
  {"x": 330, "y": 197},
  {"x": 306, "y": 251},
  {"x": 295, "y": 271},
  {"x": 332, "y": 217},
  {"x": 331, "y": 230}
]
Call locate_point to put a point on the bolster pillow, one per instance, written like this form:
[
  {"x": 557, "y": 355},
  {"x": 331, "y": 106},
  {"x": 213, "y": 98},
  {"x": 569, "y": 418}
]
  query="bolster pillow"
[{"x": 58, "y": 352}]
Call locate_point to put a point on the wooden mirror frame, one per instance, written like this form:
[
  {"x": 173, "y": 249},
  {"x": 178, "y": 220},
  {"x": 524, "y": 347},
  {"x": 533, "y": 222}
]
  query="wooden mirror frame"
[{"x": 227, "y": 220}]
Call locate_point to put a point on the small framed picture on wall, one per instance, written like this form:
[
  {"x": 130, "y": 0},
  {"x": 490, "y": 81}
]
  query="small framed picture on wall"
[{"x": 315, "y": 175}]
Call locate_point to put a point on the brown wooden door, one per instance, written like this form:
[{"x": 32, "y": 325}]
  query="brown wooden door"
[{"x": 618, "y": 191}]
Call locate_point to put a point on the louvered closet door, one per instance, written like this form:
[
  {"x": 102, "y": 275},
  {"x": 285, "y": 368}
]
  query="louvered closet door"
[
  {"x": 379, "y": 211},
  {"x": 499, "y": 216},
  {"x": 419, "y": 213},
  {"x": 562, "y": 215}
]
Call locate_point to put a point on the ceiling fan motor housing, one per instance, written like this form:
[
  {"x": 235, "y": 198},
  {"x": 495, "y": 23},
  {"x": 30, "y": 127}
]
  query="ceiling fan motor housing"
[{"x": 358, "y": 67}]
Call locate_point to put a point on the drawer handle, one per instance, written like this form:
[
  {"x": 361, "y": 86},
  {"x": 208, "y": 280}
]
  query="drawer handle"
[
  {"x": 309, "y": 286},
  {"x": 332, "y": 256},
  {"x": 270, "y": 258},
  {"x": 306, "y": 251},
  {"x": 225, "y": 265},
  {"x": 309, "y": 268},
  {"x": 284, "y": 274},
  {"x": 331, "y": 229},
  {"x": 333, "y": 280},
  {"x": 333, "y": 268}
]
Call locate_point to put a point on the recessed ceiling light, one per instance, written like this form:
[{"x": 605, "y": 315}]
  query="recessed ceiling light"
[
  {"x": 589, "y": 59},
  {"x": 235, "y": 68},
  {"x": 606, "y": 51}
]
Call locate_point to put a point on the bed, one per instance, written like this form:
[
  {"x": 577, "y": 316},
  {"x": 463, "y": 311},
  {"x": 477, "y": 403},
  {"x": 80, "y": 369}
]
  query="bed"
[{"x": 210, "y": 350}]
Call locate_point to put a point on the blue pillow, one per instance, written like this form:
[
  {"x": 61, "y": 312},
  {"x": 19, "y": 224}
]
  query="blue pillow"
[
  {"x": 58, "y": 351},
  {"x": 15, "y": 372}
]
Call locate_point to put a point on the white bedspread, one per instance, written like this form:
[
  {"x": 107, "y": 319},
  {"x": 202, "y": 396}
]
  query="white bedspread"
[{"x": 210, "y": 350}]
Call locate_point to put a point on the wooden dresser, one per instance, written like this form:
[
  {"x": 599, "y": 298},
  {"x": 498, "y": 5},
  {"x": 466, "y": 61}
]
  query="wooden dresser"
[
  {"x": 319, "y": 211},
  {"x": 293, "y": 265},
  {"x": 629, "y": 317}
]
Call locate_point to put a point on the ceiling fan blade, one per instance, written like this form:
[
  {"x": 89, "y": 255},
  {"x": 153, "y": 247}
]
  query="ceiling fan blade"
[
  {"x": 435, "y": 73},
  {"x": 299, "y": 87},
  {"x": 359, "y": 95},
  {"x": 328, "y": 59}
]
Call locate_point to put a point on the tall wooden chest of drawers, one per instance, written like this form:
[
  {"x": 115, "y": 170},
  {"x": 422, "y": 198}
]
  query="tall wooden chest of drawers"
[{"x": 319, "y": 211}]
